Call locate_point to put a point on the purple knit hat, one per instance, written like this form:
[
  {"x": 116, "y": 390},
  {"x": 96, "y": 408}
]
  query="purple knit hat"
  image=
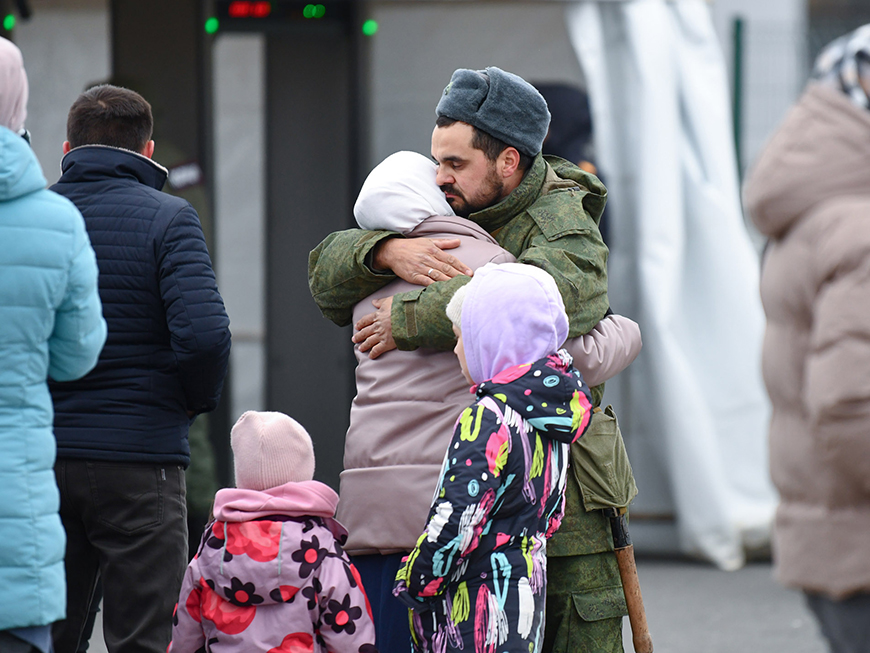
[
  {"x": 509, "y": 314},
  {"x": 13, "y": 87}
]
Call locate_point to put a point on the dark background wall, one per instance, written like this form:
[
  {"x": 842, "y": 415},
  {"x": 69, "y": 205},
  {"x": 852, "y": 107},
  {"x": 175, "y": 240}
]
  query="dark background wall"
[{"x": 309, "y": 156}]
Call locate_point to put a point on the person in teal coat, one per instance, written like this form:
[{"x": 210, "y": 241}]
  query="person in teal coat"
[{"x": 51, "y": 324}]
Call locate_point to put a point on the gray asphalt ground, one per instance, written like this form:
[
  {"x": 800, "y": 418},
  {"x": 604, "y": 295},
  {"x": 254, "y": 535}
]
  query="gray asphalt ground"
[{"x": 694, "y": 607}]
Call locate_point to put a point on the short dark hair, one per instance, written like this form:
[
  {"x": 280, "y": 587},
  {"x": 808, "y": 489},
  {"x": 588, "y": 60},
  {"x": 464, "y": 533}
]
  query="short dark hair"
[
  {"x": 487, "y": 143},
  {"x": 110, "y": 115}
]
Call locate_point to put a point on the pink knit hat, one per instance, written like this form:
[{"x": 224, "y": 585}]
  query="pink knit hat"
[
  {"x": 270, "y": 449},
  {"x": 13, "y": 87}
]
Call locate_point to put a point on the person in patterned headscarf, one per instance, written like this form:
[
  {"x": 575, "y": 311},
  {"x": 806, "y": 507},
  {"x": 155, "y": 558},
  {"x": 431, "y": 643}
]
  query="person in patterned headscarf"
[
  {"x": 809, "y": 194},
  {"x": 844, "y": 64}
]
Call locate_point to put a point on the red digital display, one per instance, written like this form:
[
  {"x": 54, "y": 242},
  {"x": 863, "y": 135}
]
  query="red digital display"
[
  {"x": 249, "y": 9},
  {"x": 275, "y": 15},
  {"x": 261, "y": 9}
]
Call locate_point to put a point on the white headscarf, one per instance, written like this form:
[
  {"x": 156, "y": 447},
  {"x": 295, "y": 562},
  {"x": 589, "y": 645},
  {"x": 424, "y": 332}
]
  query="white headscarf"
[
  {"x": 13, "y": 87},
  {"x": 399, "y": 194}
]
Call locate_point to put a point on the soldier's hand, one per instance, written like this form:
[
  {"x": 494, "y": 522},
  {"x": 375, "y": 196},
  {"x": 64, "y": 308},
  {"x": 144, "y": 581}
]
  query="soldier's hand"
[
  {"x": 420, "y": 261},
  {"x": 374, "y": 332}
]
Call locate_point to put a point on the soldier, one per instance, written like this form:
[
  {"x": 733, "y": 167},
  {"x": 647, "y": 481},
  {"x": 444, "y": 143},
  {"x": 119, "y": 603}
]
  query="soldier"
[{"x": 487, "y": 143}]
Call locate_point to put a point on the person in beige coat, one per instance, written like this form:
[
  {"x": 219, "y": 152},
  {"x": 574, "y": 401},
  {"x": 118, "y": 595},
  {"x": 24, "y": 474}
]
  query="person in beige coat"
[
  {"x": 809, "y": 193},
  {"x": 407, "y": 402}
]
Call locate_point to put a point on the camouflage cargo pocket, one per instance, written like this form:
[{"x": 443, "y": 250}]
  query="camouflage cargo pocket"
[
  {"x": 586, "y": 622},
  {"x": 601, "y": 466},
  {"x": 601, "y": 603}
]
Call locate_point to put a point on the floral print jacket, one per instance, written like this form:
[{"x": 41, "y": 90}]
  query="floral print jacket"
[
  {"x": 278, "y": 582},
  {"x": 476, "y": 580}
]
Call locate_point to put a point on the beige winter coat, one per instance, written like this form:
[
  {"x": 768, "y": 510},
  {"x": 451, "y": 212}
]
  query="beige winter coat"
[
  {"x": 810, "y": 194},
  {"x": 402, "y": 417}
]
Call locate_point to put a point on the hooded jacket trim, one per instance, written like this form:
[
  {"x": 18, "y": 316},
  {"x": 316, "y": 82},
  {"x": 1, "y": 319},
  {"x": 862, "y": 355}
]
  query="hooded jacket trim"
[
  {"x": 302, "y": 499},
  {"x": 20, "y": 173},
  {"x": 823, "y": 130},
  {"x": 98, "y": 164},
  {"x": 450, "y": 226},
  {"x": 548, "y": 394}
]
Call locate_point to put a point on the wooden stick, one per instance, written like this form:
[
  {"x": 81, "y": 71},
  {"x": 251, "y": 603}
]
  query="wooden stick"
[
  {"x": 624, "y": 551},
  {"x": 640, "y": 636}
]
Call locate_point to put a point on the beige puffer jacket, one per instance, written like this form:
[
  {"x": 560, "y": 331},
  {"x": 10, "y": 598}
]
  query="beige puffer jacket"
[
  {"x": 402, "y": 417},
  {"x": 809, "y": 193}
]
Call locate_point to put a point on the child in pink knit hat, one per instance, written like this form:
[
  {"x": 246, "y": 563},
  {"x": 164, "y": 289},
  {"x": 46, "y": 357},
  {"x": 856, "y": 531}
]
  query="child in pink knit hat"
[{"x": 270, "y": 573}]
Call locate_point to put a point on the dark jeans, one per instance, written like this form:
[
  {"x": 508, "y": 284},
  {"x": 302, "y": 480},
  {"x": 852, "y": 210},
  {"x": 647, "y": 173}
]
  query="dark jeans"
[
  {"x": 88, "y": 629},
  {"x": 392, "y": 627},
  {"x": 126, "y": 524},
  {"x": 845, "y": 623}
]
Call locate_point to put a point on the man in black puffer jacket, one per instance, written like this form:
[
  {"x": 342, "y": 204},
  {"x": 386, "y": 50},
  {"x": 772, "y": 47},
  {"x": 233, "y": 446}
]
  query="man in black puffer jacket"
[{"x": 122, "y": 430}]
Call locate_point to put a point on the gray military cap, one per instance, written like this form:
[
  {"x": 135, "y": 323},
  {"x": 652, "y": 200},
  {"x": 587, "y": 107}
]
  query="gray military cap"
[{"x": 499, "y": 103}]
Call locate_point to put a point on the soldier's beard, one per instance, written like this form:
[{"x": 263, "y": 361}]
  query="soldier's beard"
[{"x": 491, "y": 191}]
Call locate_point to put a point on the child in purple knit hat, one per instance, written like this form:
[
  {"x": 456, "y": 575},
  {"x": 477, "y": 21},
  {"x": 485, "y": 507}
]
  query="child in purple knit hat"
[
  {"x": 476, "y": 581},
  {"x": 270, "y": 573}
]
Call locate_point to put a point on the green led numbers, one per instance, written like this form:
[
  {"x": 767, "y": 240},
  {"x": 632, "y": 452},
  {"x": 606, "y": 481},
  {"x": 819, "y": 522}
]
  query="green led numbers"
[{"x": 314, "y": 11}]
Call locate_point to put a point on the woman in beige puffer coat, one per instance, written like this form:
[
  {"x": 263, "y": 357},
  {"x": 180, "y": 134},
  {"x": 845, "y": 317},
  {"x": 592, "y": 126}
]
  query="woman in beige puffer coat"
[{"x": 809, "y": 193}]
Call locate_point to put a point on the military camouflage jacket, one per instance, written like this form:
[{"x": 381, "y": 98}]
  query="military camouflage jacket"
[{"x": 550, "y": 221}]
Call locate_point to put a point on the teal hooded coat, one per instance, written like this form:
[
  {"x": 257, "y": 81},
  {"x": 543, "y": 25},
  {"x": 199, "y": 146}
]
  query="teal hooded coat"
[{"x": 50, "y": 324}]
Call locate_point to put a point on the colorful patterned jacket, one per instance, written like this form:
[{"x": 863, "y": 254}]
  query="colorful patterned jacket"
[
  {"x": 270, "y": 575},
  {"x": 477, "y": 575}
]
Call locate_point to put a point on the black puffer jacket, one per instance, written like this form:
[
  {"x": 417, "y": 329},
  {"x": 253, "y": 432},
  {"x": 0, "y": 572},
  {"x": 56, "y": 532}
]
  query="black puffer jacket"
[{"x": 169, "y": 337}]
